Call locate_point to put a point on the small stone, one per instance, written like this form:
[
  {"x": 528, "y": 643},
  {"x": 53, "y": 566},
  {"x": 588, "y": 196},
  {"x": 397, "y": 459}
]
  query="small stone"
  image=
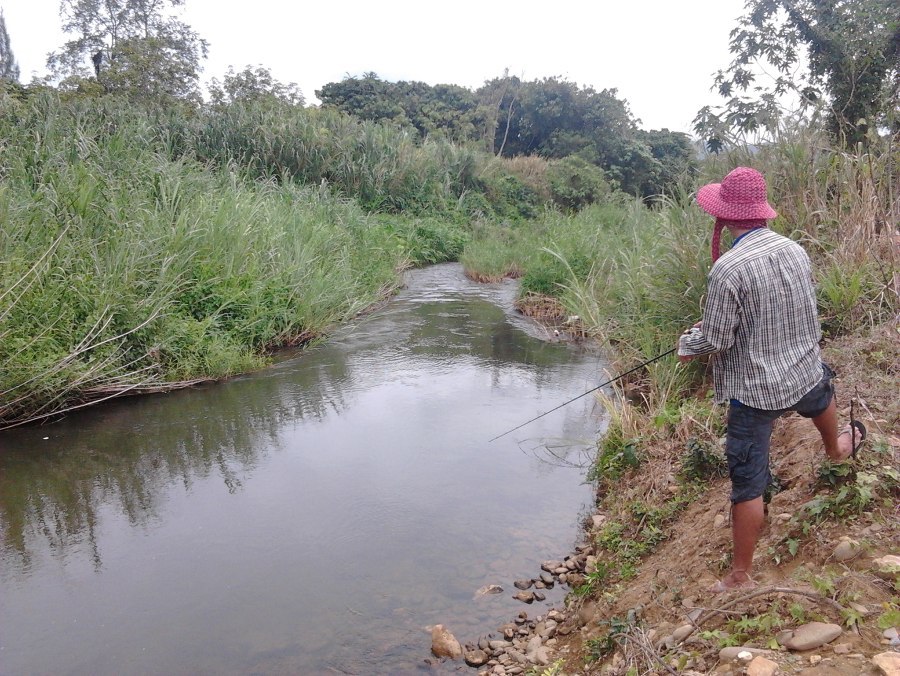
[
  {"x": 550, "y": 566},
  {"x": 476, "y": 658},
  {"x": 524, "y": 597},
  {"x": 812, "y": 635},
  {"x": 597, "y": 520},
  {"x": 889, "y": 663},
  {"x": 887, "y": 567},
  {"x": 682, "y": 632},
  {"x": 891, "y": 634},
  {"x": 841, "y": 649},
  {"x": 587, "y": 612},
  {"x": 730, "y": 653},
  {"x": 846, "y": 550},
  {"x": 760, "y": 666},
  {"x": 574, "y": 579},
  {"x": 547, "y": 579},
  {"x": 876, "y": 527},
  {"x": 815, "y": 659},
  {"x": 539, "y": 585},
  {"x": 522, "y": 584},
  {"x": 539, "y": 596},
  {"x": 860, "y": 608},
  {"x": 499, "y": 645},
  {"x": 745, "y": 656},
  {"x": 784, "y": 516},
  {"x": 719, "y": 521}
]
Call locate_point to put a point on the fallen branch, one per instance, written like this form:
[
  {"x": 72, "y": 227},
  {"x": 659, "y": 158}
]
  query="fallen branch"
[{"x": 764, "y": 591}]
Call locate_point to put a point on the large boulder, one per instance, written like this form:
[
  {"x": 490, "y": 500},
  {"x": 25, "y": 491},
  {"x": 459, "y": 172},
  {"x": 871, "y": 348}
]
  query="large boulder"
[{"x": 444, "y": 644}]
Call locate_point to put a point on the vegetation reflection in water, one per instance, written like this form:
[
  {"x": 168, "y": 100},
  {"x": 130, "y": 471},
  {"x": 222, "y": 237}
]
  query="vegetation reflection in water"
[{"x": 385, "y": 424}]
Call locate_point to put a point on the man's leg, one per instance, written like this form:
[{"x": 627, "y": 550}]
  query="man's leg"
[
  {"x": 838, "y": 447},
  {"x": 746, "y": 522},
  {"x": 747, "y": 450}
]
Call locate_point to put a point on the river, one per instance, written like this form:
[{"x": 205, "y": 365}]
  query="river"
[{"x": 311, "y": 518}]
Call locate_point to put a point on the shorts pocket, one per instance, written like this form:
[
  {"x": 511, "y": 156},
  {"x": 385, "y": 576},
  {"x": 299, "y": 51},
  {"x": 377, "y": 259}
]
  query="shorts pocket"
[{"x": 739, "y": 453}]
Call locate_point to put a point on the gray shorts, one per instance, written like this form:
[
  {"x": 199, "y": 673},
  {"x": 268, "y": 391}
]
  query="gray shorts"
[{"x": 749, "y": 433}]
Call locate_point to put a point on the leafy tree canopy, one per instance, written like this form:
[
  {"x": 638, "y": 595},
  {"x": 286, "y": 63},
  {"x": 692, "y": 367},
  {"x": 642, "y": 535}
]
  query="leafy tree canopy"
[
  {"x": 135, "y": 47},
  {"x": 9, "y": 69},
  {"x": 449, "y": 110},
  {"x": 552, "y": 118},
  {"x": 253, "y": 84},
  {"x": 851, "y": 50}
]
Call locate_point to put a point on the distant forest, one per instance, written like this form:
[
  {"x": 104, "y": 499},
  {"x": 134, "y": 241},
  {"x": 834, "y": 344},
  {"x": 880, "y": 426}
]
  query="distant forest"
[{"x": 509, "y": 117}]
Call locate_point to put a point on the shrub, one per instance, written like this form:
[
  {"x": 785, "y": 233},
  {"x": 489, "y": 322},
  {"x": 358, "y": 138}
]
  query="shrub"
[{"x": 574, "y": 183}]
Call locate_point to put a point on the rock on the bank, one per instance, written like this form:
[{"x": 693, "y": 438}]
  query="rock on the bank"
[
  {"x": 846, "y": 549},
  {"x": 889, "y": 663},
  {"x": 444, "y": 644},
  {"x": 476, "y": 658},
  {"x": 812, "y": 635},
  {"x": 760, "y": 666},
  {"x": 536, "y": 653},
  {"x": 730, "y": 653},
  {"x": 887, "y": 567}
]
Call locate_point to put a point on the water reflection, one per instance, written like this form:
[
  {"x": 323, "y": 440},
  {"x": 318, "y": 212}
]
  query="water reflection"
[{"x": 313, "y": 516}]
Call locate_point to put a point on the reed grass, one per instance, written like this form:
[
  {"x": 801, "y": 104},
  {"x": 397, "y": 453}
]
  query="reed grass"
[{"x": 127, "y": 270}]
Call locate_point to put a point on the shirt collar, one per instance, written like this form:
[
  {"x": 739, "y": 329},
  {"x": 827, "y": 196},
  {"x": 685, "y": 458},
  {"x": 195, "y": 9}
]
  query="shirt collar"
[{"x": 735, "y": 242}]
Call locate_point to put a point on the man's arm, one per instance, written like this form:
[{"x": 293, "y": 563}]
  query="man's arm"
[{"x": 720, "y": 320}]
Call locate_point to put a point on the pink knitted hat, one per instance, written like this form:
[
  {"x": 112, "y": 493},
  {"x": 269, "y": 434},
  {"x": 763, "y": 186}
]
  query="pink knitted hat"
[{"x": 741, "y": 196}]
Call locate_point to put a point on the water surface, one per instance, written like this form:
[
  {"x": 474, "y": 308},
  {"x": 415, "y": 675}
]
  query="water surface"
[{"x": 312, "y": 518}]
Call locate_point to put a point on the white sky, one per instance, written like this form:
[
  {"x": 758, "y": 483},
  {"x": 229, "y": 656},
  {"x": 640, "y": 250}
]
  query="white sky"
[{"x": 659, "y": 54}]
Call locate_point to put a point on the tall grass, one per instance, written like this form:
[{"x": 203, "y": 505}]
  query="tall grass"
[
  {"x": 126, "y": 270},
  {"x": 636, "y": 275},
  {"x": 384, "y": 167}
]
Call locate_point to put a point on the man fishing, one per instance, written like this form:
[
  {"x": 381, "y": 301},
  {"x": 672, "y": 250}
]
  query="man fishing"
[{"x": 761, "y": 325}]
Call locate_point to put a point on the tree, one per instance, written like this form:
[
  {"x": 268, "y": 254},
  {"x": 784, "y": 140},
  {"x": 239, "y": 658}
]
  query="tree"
[
  {"x": 447, "y": 110},
  {"x": 9, "y": 69},
  {"x": 853, "y": 54},
  {"x": 134, "y": 46},
  {"x": 253, "y": 84}
]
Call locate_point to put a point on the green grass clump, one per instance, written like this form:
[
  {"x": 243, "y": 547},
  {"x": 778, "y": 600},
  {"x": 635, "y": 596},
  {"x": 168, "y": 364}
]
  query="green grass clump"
[{"x": 127, "y": 270}]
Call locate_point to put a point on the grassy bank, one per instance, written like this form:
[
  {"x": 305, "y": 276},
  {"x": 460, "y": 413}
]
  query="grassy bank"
[{"x": 130, "y": 267}]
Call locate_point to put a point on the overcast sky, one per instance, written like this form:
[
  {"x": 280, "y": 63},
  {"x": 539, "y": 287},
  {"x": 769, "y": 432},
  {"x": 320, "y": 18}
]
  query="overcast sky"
[{"x": 659, "y": 54}]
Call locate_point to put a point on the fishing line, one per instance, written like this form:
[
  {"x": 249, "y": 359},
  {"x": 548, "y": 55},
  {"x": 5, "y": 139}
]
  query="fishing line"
[{"x": 584, "y": 394}]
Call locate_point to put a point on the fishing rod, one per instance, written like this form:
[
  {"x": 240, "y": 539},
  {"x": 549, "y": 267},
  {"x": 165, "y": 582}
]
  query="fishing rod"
[{"x": 583, "y": 394}]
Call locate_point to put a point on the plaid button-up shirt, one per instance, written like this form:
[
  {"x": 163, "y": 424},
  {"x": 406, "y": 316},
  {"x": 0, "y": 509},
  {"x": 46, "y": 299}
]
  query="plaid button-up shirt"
[{"x": 760, "y": 323}]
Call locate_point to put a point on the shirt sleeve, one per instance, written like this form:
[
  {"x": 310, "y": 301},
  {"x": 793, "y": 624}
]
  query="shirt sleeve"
[{"x": 720, "y": 321}]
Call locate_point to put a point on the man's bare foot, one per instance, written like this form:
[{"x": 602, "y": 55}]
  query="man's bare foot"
[
  {"x": 849, "y": 440},
  {"x": 734, "y": 580}
]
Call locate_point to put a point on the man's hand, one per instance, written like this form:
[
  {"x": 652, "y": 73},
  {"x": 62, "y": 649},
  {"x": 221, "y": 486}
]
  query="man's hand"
[{"x": 684, "y": 358}]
